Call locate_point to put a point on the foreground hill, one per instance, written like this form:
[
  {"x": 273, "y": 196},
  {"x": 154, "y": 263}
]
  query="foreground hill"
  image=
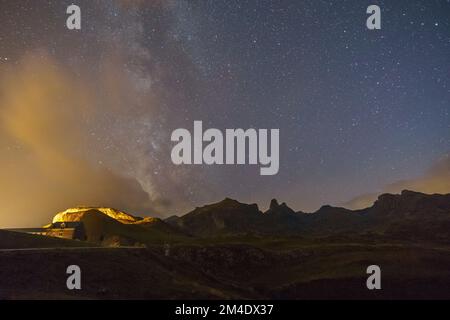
[
  {"x": 18, "y": 240},
  {"x": 111, "y": 227},
  {"x": 76, "y": 214}
]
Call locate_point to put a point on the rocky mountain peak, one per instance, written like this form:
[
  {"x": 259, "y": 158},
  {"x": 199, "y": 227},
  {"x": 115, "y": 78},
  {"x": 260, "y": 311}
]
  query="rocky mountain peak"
[
  {"x": 274, "y": 204},
  {"x": 77, "y": 213}
]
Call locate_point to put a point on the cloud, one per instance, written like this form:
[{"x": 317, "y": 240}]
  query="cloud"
[
  {"x": 435, "y": 180},
  {"x": 47, "y": 161},
  {"x": 88, "y": 119}
]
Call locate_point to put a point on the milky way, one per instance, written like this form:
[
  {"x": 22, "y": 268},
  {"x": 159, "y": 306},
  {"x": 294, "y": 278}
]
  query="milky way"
[{"x": 86, "y": 116}]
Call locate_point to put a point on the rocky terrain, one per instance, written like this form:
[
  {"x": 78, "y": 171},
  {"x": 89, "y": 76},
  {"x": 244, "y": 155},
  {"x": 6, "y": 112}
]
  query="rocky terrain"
[
  {"x": 231, "y": 250},
  {"x": 409, "y": 215}
]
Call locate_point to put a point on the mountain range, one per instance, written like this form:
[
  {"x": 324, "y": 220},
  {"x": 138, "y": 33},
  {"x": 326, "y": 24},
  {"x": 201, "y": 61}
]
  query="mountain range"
[
  {"x": 233, "y": 250},
  {"x": 409, "y": 214}
]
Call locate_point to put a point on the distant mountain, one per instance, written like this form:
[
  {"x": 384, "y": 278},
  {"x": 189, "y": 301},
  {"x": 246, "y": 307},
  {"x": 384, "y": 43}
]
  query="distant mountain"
[
  {"x": 409, "y": 214},
  {"x": 232, "y": 218},
  {"x": 280, "y": 219},
  {"x": 227, "y": 217}
]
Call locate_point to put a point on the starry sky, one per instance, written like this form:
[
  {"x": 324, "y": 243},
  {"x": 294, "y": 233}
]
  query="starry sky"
[{"x": 86, "y": 115}]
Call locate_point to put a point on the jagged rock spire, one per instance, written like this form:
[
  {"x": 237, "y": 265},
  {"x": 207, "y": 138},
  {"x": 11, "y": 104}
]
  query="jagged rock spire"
[{"x": 274, "y": 204}]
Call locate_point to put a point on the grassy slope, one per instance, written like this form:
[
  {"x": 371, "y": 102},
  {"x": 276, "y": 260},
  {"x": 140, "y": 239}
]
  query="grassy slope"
[
  {"x": 306, "y": 269},
  {"x": 13, "y": 240},
  {"x": 233, "y": 268}
]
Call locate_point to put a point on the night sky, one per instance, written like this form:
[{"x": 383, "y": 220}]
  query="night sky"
[{"x": 86, "y": 116}]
